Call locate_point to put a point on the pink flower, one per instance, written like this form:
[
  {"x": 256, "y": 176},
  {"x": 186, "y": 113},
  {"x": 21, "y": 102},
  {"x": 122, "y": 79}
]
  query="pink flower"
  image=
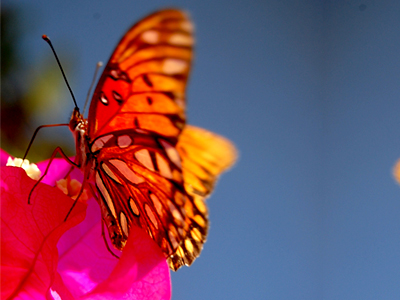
[{"x": 43, "y": 257}]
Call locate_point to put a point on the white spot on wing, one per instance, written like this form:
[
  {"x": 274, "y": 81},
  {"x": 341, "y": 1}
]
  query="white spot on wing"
[
  {"x": 189, "y": 245},
  {"x": 103, "y": 99},
  {"x": 173, "y": 240},
  {"x": 133, "y": 206},
  {"x": 138, "y": 130},
  {"x": 124, "y": 223},
  {"x": 198, "y": 202},
  {"x": 163, "y": 166},
  {"x": 157, "y": 204},
  {"x": 126, "y": 171},
  {"x": 110, "y": 173},
  {"x": 143, "y": 156},
  {"x": 181, "y": 39},
  {"x": 99, "y": 143},
  {"x": 172, "y": 153},
  {"x": 174, "y": 66},
  {"x": 124, "y": 141},
  {"x": 180, "y": 102},
  {"x": 106, "y": 195},
  {"x": 175, "y": 213},
  {"x": 151, "y": 216},
  {"x": 188, "y": 26},
  {"x": 151, "y": 36}
]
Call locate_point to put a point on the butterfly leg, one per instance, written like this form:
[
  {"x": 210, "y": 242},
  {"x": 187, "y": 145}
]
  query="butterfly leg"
[
  {"x": 36, "y": 132},
  {"x": 61, "y": 152}
]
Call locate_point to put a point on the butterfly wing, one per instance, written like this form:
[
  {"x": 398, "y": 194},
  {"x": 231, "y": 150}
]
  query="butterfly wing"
[
  {"x": 151, "y": 170},
  {"x": 161, "y": 188},
  {"x": 140, "y": 185},
  {"x": 143, "y": 84},
  {"x": 205, "y": 155}
]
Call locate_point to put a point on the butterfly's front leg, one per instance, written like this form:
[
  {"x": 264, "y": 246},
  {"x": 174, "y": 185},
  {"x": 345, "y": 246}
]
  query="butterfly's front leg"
[{"x": 56, "y": 151}]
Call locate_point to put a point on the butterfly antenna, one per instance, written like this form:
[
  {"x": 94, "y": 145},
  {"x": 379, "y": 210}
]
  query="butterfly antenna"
[
  {"x": 46, "y": 38},
  {"x": 98, "y": 66}
]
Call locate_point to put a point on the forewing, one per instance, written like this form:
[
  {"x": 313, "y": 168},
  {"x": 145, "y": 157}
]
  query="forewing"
[{"x": 143, "y": 84}]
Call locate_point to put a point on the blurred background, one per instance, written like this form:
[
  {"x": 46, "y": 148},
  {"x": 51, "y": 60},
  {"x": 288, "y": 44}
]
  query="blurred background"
[{"x": 309, "y": 93}]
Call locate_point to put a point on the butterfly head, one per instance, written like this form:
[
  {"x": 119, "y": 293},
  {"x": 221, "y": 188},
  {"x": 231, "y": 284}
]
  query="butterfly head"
[{"x": 76, "y": 120}]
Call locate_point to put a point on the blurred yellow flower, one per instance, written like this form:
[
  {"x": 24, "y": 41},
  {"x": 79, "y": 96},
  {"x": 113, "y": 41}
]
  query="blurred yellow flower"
[{"x": 396, "y": 171}]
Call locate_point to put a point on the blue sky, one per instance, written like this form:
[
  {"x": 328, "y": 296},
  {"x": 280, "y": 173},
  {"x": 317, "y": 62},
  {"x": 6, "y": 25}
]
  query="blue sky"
[{"x": 309, "y": 93}]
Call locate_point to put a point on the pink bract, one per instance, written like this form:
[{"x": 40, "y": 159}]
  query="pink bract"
[{"x": 44, "y": 257}]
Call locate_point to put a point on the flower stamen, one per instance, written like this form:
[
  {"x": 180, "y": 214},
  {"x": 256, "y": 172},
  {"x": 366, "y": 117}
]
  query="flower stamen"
[{"x": 71, "y": 188}]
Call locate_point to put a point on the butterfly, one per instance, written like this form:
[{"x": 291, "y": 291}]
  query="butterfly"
[{"x": 148, "y": 168}]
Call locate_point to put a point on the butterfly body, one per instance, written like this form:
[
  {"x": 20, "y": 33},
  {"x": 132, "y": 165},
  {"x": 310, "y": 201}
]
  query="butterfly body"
[{"x": 146, "y": 166}]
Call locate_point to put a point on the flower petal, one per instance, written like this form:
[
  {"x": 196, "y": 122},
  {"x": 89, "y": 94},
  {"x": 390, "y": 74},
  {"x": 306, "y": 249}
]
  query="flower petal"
[
  {"x": 3, "y": 157},
  {"x": 30, "y": 233},
  {"x": 141, "y": 273},
  {"x": 87, "y": 266},
  {"x": 84, "y": 258}
]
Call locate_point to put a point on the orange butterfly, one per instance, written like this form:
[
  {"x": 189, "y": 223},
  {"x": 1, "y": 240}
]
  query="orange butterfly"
[{"x": 148, "y": 167}]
